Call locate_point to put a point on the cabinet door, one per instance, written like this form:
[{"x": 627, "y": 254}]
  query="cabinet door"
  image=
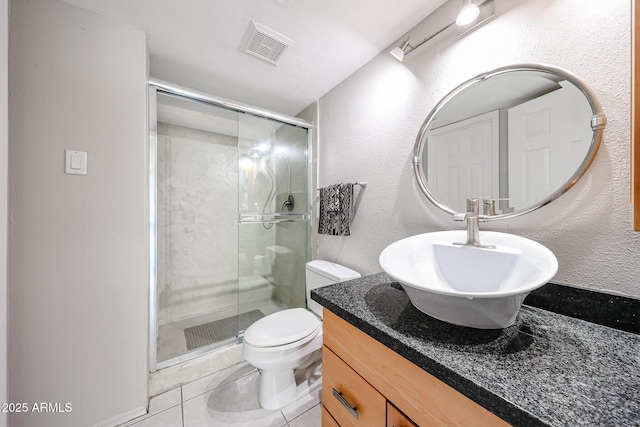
[
  {"x": 348, "y": 397},
  {"x": 395, "y": 418}
]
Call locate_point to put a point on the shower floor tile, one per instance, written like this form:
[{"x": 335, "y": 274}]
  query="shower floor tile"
[
  {"x": 171, "y": 339},
  {"x": 229, "y": 398}
]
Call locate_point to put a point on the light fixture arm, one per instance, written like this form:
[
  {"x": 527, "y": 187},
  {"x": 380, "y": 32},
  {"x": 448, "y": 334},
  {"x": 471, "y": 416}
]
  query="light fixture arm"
[
  {"x": 445, "y": 13},
  {"x": 427, "y": 39}
]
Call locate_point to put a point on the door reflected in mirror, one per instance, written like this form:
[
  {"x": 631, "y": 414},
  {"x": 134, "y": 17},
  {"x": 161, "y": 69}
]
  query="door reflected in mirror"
[{"x": 519, "y": 136}]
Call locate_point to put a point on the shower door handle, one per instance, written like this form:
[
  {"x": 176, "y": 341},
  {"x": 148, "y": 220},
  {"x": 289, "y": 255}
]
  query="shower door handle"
[{"x": 272, "y": 217}]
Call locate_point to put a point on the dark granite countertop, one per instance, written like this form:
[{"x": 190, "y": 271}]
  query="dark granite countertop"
[{"x": 547, "y": 369}]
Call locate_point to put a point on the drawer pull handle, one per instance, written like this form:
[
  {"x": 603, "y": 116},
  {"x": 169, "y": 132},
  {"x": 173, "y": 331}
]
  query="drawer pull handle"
[{"x": 352, "y": 410}]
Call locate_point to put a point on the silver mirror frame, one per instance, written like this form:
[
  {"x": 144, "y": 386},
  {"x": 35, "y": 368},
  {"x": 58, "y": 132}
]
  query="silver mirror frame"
[{"x": 598, "y": 123}]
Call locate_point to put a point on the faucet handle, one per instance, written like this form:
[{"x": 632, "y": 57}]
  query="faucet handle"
[
  {"x": 489, "y": 206},
  {"x": 460, "y": 216},
  {"x": 472, "y": 210},
  {"x": 473, "y": 205}
]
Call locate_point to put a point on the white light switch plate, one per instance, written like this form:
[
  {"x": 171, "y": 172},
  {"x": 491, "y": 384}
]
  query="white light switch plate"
[{"x": 75, "y": 162}]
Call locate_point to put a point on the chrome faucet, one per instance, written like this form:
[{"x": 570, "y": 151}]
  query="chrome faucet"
[{"x": 473, "y": 218}]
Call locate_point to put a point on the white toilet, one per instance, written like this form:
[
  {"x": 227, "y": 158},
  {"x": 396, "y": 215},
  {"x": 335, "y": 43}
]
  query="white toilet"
[{"x": 285, "y": 341}]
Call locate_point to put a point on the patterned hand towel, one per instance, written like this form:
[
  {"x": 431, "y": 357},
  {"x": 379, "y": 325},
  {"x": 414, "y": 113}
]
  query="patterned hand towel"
[
  {"x": 333, "y": 197},
  {"x": 335, "y": 209}
]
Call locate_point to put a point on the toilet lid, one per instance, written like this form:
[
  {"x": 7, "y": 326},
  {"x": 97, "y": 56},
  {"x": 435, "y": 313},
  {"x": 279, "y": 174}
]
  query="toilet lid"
[{"x": 282, "y": 327}]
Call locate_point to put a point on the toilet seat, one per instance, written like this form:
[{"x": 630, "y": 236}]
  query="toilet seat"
[
  {"x": 281, "y": 349},
  {"x": 283, "y": 328}
]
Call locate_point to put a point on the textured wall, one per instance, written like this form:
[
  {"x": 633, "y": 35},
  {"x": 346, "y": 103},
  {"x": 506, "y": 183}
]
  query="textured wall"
[
  {"x": 78, "y": 245},
  {"x": 370, "y": 121}
]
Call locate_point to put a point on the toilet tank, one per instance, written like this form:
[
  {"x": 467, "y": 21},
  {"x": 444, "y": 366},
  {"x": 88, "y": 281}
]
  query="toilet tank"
[{"x": 323, "y": 273}]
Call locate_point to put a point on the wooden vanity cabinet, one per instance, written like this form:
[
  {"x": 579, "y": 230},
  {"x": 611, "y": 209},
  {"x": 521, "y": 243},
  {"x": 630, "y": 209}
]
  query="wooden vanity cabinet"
[
  {"x": 364, "y": 383},
  {"x": 395, "y": 418},
  {"x": 347, "y": 396}
]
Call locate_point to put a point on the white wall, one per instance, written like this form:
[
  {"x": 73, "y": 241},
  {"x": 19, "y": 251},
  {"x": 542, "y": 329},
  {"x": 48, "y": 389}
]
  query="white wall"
[
  {"x": 4, "y": 117},
  {"x": 78, "y": 275},
  {"x": 370, "y": 121}
]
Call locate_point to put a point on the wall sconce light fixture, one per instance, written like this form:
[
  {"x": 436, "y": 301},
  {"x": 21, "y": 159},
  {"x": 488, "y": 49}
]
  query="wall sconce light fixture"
[
  {"x": 466, "y": 15},
  {"x": 399, "y": 52},
  {"x": 404, "y": 49}
]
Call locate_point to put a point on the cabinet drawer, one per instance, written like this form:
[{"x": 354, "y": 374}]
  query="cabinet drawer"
[
  {"x": 327, "y": 419},
  {"x": 395, "y": 418},
  {"x": 348, "y": 397}
]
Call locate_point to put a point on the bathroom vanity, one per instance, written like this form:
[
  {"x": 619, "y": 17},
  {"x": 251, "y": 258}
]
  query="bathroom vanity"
[
  {"x": 387, "y": 363},
  {"x": 367, "y": 384}
]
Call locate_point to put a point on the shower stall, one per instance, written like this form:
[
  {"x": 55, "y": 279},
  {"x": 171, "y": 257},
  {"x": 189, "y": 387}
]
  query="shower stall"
[{"x": 229, "y": 219}]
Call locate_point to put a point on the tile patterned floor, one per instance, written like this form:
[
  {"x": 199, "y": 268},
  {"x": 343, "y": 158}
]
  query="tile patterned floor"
[{"x": 227, "y": 398}]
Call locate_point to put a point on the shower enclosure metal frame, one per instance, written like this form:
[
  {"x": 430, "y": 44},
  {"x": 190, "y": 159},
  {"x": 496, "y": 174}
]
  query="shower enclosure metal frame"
[{"x": 164, "y": 87}]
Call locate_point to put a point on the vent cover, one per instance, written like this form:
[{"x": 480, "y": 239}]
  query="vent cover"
[{"x": 265, "y": 43}]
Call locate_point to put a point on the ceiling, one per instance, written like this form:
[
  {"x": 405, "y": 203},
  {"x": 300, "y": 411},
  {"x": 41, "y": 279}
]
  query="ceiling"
[{"x": 198, "y": 43}]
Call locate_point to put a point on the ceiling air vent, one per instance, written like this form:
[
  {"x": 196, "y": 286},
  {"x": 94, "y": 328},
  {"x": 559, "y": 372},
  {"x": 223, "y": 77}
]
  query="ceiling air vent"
[{"x": 265, "y": 43}]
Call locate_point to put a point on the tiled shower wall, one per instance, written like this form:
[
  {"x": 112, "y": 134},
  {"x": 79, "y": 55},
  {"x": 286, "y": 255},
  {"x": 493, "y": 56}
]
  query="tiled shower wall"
[
  {"x": 291, "y": 289},
  {"x": 197, "y": 214}
]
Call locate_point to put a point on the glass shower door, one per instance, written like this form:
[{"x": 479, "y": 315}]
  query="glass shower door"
[
  {"x": 196, "y": 237},
  {"x": 229, "y": 220},
  {"x": 274, "y": 220}
]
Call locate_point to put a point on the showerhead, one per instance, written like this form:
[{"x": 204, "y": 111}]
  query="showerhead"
[{"x": 264, "y": 157}]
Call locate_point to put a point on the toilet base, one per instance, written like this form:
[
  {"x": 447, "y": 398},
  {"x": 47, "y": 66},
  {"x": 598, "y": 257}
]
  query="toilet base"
[{"x": 279, "y": 388}]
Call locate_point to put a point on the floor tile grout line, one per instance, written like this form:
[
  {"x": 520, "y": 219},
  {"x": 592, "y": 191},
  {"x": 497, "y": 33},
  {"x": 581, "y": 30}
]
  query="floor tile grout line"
[
  {"x": 300, "y": 414},
  {"x": 141, "y": 418}
]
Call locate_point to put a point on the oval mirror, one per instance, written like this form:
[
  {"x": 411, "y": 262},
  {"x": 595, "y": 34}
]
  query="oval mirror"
[{"x": 517, "y": 137}]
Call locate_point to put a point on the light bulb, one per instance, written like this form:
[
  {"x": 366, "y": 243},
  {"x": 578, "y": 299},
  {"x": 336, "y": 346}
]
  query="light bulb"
[{"x": 467, "y": 14}]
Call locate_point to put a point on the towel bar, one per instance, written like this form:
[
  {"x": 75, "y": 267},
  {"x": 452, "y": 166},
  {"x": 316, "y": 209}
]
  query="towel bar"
[{"x": 360, "y": 183}]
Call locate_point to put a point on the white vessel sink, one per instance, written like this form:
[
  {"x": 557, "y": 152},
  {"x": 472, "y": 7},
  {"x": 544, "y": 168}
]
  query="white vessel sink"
[{"x": 466, "y": 285}]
